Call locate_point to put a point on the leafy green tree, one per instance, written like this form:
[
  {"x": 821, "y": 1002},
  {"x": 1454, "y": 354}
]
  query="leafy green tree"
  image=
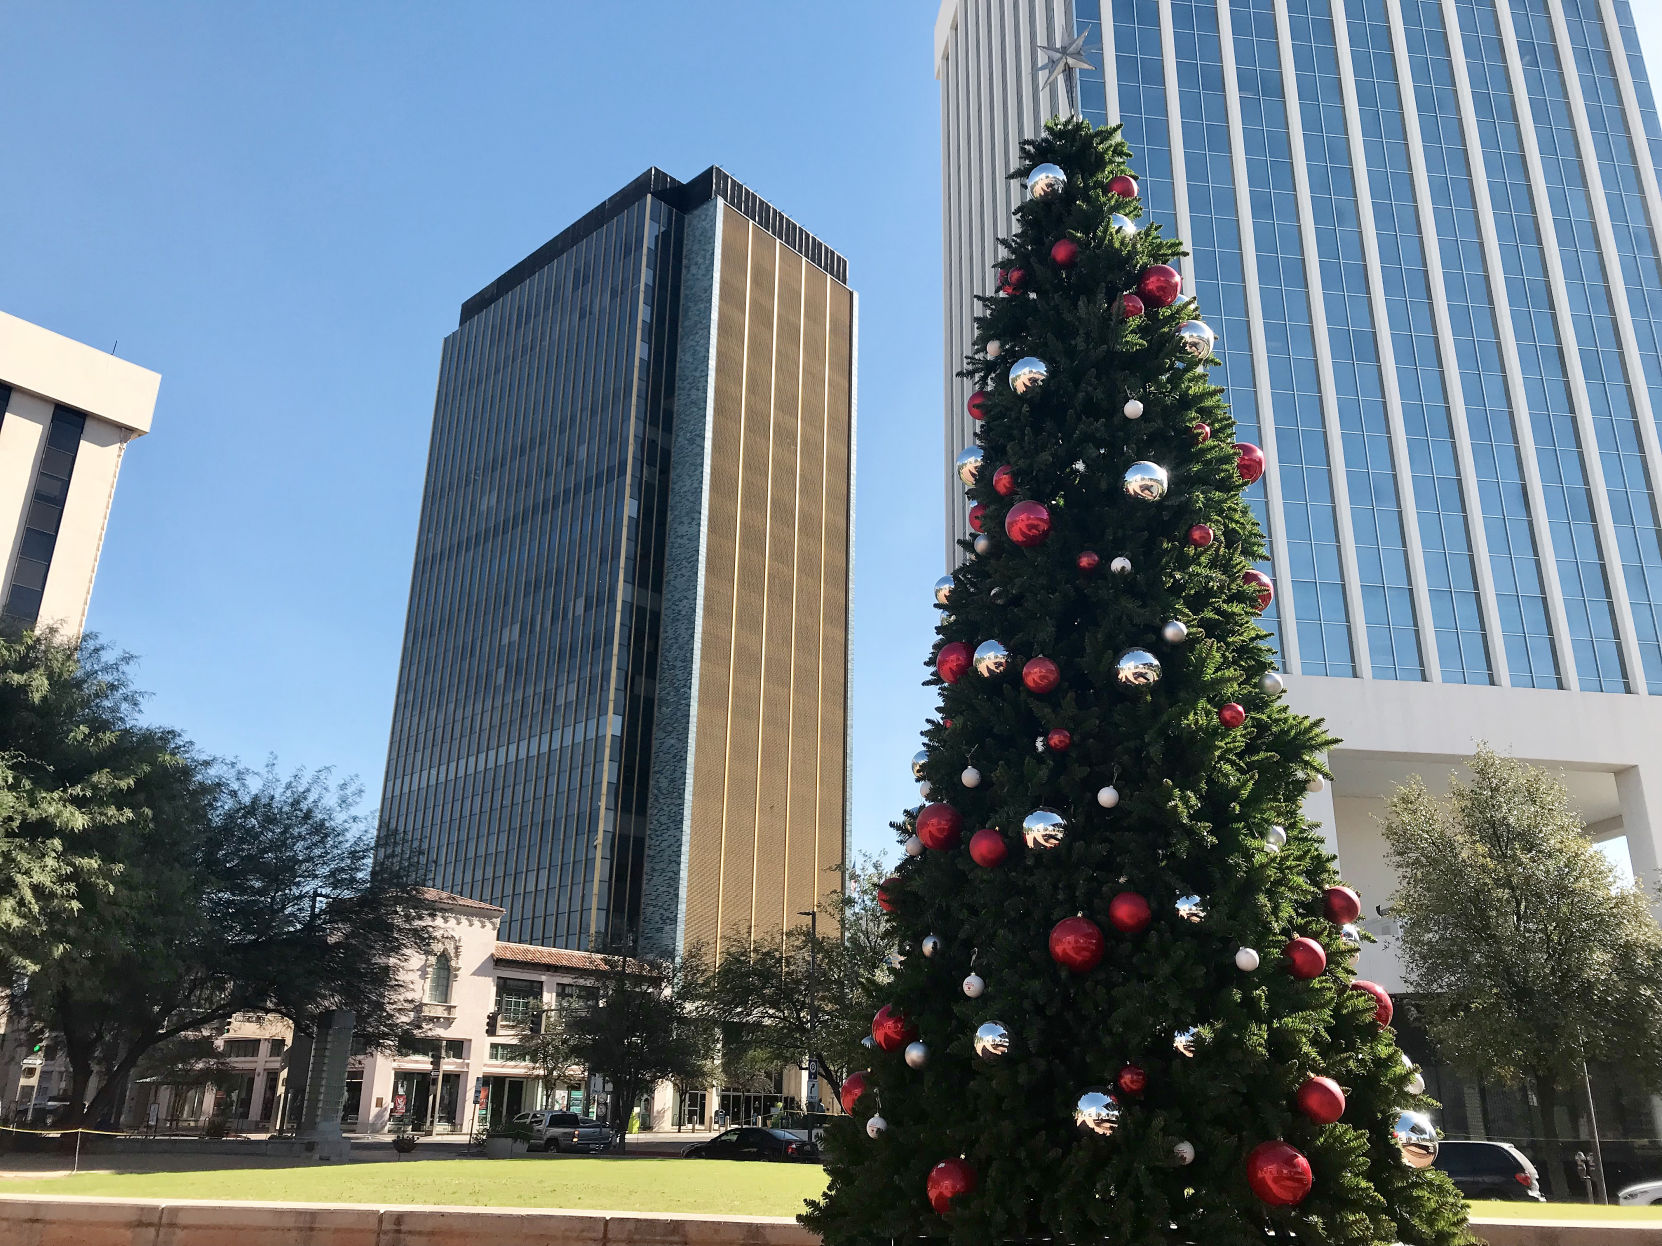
[
  {"x": 1181, "y": 923},
  {"x": 807, "y": 993},
  {"x": 1527, "y": 954},
  {"x": 644, "y": 1025},
  {"x": 547, "y": 1043}
]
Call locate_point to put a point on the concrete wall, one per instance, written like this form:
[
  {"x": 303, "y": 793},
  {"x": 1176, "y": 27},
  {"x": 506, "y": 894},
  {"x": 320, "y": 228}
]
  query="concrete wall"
[{"x": 32, "y": 1221}]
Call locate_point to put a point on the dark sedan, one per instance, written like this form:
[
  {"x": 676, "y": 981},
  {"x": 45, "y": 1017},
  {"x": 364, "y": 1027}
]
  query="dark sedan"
[{"x": 753, "y": 1142}]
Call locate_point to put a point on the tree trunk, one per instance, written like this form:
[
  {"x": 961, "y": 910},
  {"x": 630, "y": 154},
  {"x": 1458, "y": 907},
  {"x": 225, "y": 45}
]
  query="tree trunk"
[
  {"x": 80, "y": 1077},
  {"x": 1558, "y": 1183}
]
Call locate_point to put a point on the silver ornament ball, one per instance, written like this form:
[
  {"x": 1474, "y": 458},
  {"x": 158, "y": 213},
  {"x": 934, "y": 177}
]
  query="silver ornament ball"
[
  {"x": 1097, "y": 1112},
  {"x": 875, "y": 1126},
  {"x": 868, "y": 1042},
  {"x": 1275, "y": 839},
  {"x": 991, "y": 658},
  {"x": 917, "y": 1055},
  {"x": 1046, "y": 180},
  {"x": 920, "y": 759},
  {"x": 991, "y": 1040},
  {"x": 983, "y": 543},
  {"x": 1044, "y": 828},
  {"x": 1027, "y": 376},
  {"x": 1108, "y": 796},
  {"x": 1350, "y": 935},
  {"x": 1122, "y": 224},
  {"x": 1145, "y": 481},
  {"x": 1190, "y": 908},
  {"x": 943, "y": 590},
  {"x": 1196, "y": 338},
  {"x": 1186, "y": 1042},
  {"x": 914, "y": 846},
  {"x": 1272, "y": 683},
  {"x": 971, "y": 777},
  {"x": 1246, "y": 959},
  {"x": 1120, "y": 565},
  {"x": 968, "y": 463},
  {"x": 1137, "y": 668},
  {"x": 1175, "y": 632},
  {"x": 1417, "y": 1137},
  {"x": 974, "y": 984},
  {"x": 1133, "y": 409},
  {"x": 930, "y": 945}
]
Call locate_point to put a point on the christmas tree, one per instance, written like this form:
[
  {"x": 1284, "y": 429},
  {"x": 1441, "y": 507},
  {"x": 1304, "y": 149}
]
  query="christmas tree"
[{"x": 1126, "y": 1011}]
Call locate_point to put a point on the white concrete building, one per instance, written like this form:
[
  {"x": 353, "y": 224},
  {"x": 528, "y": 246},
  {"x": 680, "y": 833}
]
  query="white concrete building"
[{"x": 67, "y": 412}]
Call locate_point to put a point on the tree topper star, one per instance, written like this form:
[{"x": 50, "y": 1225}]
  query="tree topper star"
[{"x": 1056, "y": 61}]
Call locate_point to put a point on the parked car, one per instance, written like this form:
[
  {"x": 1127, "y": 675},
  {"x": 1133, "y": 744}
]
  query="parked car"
[
  {"x": 1490, "y": 1170},
  {"x": 1645, "y": 1194},
  {"x": 553, "y": 1130},
  {"x": 754, "y": 1142},
  {"x": 807, "y": 1126}
]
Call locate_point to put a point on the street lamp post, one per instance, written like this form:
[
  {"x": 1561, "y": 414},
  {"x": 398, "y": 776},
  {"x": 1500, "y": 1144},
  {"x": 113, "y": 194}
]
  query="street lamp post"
[{"x": 810, "y": 1094}]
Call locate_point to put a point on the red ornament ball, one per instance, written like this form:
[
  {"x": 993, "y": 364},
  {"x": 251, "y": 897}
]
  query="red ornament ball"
[
  {"x": 948, "y": 1180},
  {"x": 952, "y": 663},
  {"x": 1383, "y": 1010},
  {"x": 988, "y": 849},
  {"x": 1130, "y": 1079},
  {"x": 1160, "y": 285},
  {"x": 1201, "y": 535},
  {"x": 1321, "y": 1100},
  {"x": 1076, "y": 943},
  {"x": 1058, "y": 739},
  {"x": 1123, "y": 185},
  {"x": 1088, "y": 561},
  {"x": 854, "y": 1085},
  {"x": 1262, "y": 584},
  {"x": 1341, "y": 905},
  {"x": 1064, "y": 253},
  {"x": 1231, "y": 715},
  {"x": 1203, "y": 433},
  {"x": 886, "y": 892},
  {"x": 1040, "y": 675},
  {"x": 939, "y": 826},
  {"x": 1249, "y": 461},
  {"x": 1014, "y": 279},
  {"x": 1278, "y": 1173},
  {"x": 891, "y": 1029},
  {"x": 1130, "y": 306},
  {"x": 1129, "y": 913},
  {"x": 1028, "y": 523},
  {"x": 1004, "y": 481},
  {"x": 977, "y": 404},
  {"x": 1305, "y": 957},
  {"x": 975, "y": 513}
]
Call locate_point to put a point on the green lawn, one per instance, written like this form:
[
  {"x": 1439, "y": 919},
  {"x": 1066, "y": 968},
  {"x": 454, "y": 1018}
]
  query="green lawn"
[
  {"x": 710, "y": 1187},
  {"x": 1562, "y": 1211}
]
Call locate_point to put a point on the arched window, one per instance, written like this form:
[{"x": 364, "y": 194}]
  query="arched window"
[{"x": 438, "y": 982}]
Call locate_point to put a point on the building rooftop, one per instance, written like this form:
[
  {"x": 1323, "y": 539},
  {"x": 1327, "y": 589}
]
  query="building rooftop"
[
  {"x": 713, "y": 183},
  {"x": 434, "y": 896},
  {"x": 547, "y": 957},
  {"x": 65, "y": 371}
]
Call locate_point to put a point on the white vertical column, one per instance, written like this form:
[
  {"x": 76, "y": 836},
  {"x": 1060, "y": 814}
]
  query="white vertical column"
[
  {"x": 1452, "y": 384},
  {"x": 1402, "y": 467},
  {"x": 1586, "y": 433},
  {"x": 1282, "y": 567},
  {"x": 1633, "y": 364},
  {"x": 1174, "y": 142},
  {"x": 1324, "y": 351},
  {"x": 1110, "y": 67},
  {"x": 1500, "y": 301},
  {"x": 1318, "y": 808}
]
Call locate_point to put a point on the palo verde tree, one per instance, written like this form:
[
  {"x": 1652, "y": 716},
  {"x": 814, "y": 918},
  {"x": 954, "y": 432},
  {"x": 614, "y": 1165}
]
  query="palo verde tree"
[
  {"x": 1526, "y": 954},
  {"x": 1126, "y": 1012}
]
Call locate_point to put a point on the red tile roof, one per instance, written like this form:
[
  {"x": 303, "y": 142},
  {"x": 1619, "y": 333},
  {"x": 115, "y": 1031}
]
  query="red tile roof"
[
  {"x": 434, "y": 896},
  {"x": 548, "y": 957}
]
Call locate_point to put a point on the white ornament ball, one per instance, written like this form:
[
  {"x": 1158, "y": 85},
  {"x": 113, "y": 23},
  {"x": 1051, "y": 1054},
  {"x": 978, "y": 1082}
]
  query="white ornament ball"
[
  {"x": 1133, "y": 409},
  {"x": 917, "y": 1055},
  {"x": 1275, "y": 838},
  {"x": 995, "y": 348},
  {"x": 924, "y": 789},
  {"x": 914, "y": 846},
  {"x": 1184, "y": 1152},
  {"x": 1120, "y": 565},
  {"x": 974, "y": 985},
  {"x": 1272, "y": 683},
  {"x": 1108, "y": 796},
  {"x": 1416, "y": 1084},
  {"x": 1246, "y": 959},
  {"x": 1175, "y": 632},
  {"x": 875, "y": 1126},
  {"x": 1315, "y": 783},
  {"x": 971, "y": 777},
  {"x": 983, "y": 543}
]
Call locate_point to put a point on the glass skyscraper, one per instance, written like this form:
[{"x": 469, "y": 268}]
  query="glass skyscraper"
[
  {"x": 1428, "y": 234},
  {"x": 620, "y": 708}
]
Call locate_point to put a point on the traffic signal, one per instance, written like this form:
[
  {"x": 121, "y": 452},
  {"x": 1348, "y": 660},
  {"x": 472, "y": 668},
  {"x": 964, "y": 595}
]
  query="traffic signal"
[{"x": 490, "y": 1024}]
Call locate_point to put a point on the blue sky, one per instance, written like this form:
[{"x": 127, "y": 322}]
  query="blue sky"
[{"x": 281, "y": 208}]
